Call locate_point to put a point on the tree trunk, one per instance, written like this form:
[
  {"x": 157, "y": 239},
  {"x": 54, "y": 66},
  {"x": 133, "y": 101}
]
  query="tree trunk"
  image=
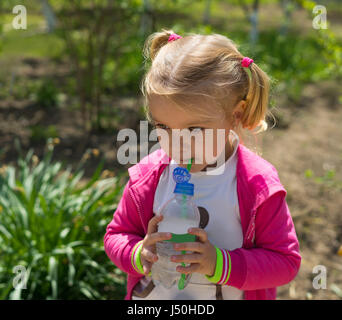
[
  {"x": 254, "y": 33},
  {"x": 206, "y": 14},
  {"x": 49, "y": 15}
]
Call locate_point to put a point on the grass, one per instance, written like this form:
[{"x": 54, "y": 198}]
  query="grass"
[
  {"x": 32, "y": 42},
  {"x": 18, "y": 43}
]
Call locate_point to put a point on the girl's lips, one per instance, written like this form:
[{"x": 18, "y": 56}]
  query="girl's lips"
[{"x": 187, "y": 159}]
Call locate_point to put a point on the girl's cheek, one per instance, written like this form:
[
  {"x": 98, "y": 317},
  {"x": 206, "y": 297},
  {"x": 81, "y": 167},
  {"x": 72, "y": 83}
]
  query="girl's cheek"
[
  {"x": 213, "y": 148},
  {"x": 165, "y": 143},
  {"x": 198, "y": 148},
  {"x": 210, "y": 153}
]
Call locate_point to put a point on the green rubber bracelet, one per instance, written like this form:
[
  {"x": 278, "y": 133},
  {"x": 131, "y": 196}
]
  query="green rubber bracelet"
[{"x": 215, "y": 278}]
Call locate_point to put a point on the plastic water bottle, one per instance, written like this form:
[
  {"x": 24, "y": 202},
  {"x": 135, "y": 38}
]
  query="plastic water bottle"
[{"x": 179, "y": 214}]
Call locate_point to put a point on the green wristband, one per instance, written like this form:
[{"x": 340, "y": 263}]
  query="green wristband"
[
  {"x": 215, "y": 278},
  {"x": 135, "y": 258}
]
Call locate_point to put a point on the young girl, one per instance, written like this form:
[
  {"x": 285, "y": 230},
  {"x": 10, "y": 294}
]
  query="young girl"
[{"x": 246, "y": 241}]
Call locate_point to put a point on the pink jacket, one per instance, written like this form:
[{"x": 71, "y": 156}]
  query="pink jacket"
[{"x": 269, "y": 256}]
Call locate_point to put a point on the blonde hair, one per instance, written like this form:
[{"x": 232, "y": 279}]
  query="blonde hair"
[{"x": 205, "y": 67}]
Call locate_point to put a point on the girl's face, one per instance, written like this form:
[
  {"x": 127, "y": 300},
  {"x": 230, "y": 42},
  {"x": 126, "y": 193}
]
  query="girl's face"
[{"x": 205, "y": 140}]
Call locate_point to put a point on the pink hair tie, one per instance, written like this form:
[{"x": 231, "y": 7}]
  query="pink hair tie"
[
  {"x": 246, "y": 62},
  {"x": 174, "y": 36}
]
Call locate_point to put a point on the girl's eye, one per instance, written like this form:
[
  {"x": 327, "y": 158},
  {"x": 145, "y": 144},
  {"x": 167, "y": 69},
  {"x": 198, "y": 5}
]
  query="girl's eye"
[
  {"x": 191, "y": 129},
  {"x": 161, "y": 126},
  {"x": 195, "y": 129}
]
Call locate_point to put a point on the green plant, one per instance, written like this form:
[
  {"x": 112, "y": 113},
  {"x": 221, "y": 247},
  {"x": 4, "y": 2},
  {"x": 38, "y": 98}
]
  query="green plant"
[
  {"x": 328, "y": 180},
  {"x": 293, "y": 60},
  {"x": 336, "y": 289},
  {"x": 95, "y": 37},
  {"x": 54, "y": 228},
  {"x": 40, "y": 133},
  {"x": 47, "y": 95}
]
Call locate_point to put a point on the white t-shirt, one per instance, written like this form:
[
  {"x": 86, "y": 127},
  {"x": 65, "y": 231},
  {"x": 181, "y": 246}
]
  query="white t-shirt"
[{"x": 218, "y": 195}]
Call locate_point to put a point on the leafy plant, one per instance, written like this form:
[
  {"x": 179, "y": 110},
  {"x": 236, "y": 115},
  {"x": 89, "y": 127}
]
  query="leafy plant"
[
  {"x": 336, "y": 289},
  {"x": 53, "y": 228},
  {"x": 294, "y": 60},
  {"x": 95, "y": 36},
  {"x": 47, "y": 95},
  {"x": 41, "y": 133},
  {"x": 328, "y": 181}
]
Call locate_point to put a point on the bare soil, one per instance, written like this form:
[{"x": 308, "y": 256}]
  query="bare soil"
[{"x": 312, "y": 141}]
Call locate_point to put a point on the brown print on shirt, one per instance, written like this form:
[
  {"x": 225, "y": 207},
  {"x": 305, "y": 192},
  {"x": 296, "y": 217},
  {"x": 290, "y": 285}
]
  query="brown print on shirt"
[{"x": 204, "y": 217}]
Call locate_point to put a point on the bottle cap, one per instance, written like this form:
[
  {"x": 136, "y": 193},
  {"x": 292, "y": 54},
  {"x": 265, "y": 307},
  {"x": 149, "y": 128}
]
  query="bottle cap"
[{"x": 181, "y": 175}]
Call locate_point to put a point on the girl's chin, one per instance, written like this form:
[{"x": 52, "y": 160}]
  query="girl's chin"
[
  {"x": 182, "y": 164},
  {"x": 194, "y": 167},
  {"x": 183, "y": 161}
]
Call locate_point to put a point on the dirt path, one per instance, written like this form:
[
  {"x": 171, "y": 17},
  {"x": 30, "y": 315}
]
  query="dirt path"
[{"x": 312, "y": 141}]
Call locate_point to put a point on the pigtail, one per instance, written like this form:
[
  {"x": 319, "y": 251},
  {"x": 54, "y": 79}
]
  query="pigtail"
[
  {"x": 151, "y": 48},
  {"x": 155, "y": 42},
  {"x": 256, "y": 100}
]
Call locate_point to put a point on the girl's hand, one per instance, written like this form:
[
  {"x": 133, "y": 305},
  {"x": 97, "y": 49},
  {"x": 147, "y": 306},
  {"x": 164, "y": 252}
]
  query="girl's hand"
[
  {"x": 203, "y": 260},
  {"x": 148, "y": 251}
]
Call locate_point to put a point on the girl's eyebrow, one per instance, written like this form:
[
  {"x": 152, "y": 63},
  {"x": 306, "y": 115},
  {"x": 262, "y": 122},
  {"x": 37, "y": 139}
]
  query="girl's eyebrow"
[{"x": 186, "y": 125}]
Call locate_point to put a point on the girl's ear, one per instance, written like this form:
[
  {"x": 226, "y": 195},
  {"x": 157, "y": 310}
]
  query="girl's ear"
[{"x": 238, "y": 111}]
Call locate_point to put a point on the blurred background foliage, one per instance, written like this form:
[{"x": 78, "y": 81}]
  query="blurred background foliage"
[{"x": 102, "y": 41}]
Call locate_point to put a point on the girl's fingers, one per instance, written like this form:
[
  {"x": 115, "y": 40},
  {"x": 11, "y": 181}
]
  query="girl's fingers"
[
  {"x": 159, "y": 236},
  {"x": 200, "y": 233},
  {"x": 189, "y": 246},
  {"x": 194, "y": 267},
  {"x": 153, "y": 224},
  {"x": 187, "y": 258},
  {"x": 149, "y": 256},
  {"x": 147, "y": 267}
]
